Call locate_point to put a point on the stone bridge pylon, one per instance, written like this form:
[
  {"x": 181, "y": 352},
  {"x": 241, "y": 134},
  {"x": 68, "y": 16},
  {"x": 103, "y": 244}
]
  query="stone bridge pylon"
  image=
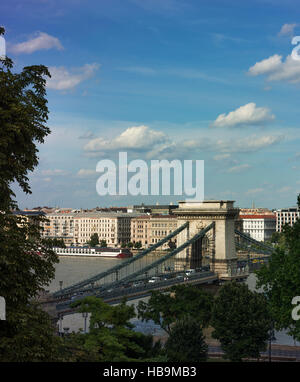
[{"x": 223, "y": 259}]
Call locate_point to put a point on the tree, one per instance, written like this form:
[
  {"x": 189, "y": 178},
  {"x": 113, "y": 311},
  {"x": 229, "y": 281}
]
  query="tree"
[
  {"x": 55, "y": 242},
  {"x": 110, "y": 336},
  {"x": 280, "y": 279},
  {"x": 103, "y": 243},
  {"x": 26, "y": 260},
  {"x": 32, "y": 340},
  {"x": 186, "y": 342},
  {"x": 165, "y": 309},
  {"x": 94, "y": 240},
  {"x": 138, "y": 245},
  {"x": 241, "y": 321}
]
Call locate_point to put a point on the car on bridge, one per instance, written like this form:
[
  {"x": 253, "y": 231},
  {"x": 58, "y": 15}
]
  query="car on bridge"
[
  {"x": 154, "y": 279},
  {"x": 138, "y": 284},
  {"x": 189, "y": 272}
]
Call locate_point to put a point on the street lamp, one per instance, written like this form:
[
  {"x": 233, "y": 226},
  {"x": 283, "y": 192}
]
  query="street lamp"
[
  {"x": 60, "y": 324},
  {"x": 85, "y": 315}
]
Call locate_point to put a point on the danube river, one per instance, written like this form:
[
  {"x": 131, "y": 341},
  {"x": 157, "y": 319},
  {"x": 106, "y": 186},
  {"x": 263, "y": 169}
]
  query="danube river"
[{"x": 71, "y": 270}]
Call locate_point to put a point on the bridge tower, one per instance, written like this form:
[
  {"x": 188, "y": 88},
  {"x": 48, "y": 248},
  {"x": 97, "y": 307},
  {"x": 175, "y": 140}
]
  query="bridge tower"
[{"x": 223, "y": 259}]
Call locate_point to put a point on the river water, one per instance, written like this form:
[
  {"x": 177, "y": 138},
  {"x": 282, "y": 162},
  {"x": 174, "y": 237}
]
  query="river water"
[{"x": 71, "y": 270}]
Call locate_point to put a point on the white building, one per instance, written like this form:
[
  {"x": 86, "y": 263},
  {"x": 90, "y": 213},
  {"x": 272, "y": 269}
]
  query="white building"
[
  {"x": 259, "y": 227},
  {"x": 286, "y": 216},
  {"x": 76, "y": 228}
]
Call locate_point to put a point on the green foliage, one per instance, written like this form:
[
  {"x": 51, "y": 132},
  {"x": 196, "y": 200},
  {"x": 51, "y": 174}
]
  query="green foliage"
[
  {"x": 186, "y": 342},
  {"x": 165, "y": 309},
  {"x": 55, "y": 242},
  {"x": 137, "y": 245},
  {"x": 94, "y": 240},
  {"x": 27, "y": 336},
  {"x": 110, "y": 336},
  {"x": 280, "y": 279},
  {"x": 103, "y": 244},
  {"x": 26, "y": 260},
  {"x": 241, "y": 321},
  {"x": 23, "y": 114}
]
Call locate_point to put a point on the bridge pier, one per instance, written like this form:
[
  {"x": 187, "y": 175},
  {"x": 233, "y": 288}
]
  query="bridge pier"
[{"x": 223, "y": 259}]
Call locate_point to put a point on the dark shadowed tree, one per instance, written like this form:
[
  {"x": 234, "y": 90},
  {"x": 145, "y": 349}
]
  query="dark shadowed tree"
[
  {"x": 26, "y": 260},
  {"x": 165, "y": 309},
  {"x": 111, "y": 336},
  {"x": 94, "y": 240},
  {"x": 241, "y": 321},
  {"x": 280, "y": 278},
  {"x": 186, "y": 342}
]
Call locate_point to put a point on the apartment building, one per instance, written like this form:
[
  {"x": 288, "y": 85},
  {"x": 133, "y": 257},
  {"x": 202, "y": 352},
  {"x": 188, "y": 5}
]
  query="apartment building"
[
  {"x": 259, "y": 227},
  {"x": 76, "y": 228},
  {"x": 60, "y": 225},
  {"x": 149, "y": 229},
  {"x": 114, "y": 228},
  {"x": 286, "y": 216}
]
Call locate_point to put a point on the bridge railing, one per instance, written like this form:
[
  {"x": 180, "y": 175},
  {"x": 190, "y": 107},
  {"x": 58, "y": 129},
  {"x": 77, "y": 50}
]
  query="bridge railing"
[
  {"x": 146, "y": 287},
  {"x": 155, "y": 264},
  {"x": 253, "y": 241},
  {"x": 72, "y": 288},
  {"x": 257, "y": 249}
]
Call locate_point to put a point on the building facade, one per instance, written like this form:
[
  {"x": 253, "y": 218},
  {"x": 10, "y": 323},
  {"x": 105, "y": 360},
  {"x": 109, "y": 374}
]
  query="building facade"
[
  {"x": 286, "y": 216},
  {"x": 76, "y": 228},
  {"x": 259, "y": 227},
  {"x": 149, "y": 229}
]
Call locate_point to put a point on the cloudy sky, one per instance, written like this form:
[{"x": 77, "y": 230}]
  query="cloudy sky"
[{"x": 164, "y": 79}]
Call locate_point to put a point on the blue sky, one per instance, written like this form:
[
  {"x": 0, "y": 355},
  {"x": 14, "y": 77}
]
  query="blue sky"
[{"x": 164, "y": 79}]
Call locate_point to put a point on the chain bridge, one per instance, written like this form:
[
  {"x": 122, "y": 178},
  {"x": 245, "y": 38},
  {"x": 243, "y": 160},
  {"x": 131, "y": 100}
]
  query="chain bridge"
[{"x": 207, "y": 241}]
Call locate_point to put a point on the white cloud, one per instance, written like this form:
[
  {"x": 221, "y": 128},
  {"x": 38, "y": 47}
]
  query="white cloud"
[
  {"x": 64, "y": 79},
  {"x": 268, "y": 65},
  {"x": 255, "y": 143},
  {"x": 42, "y": 42},
  {"x": 245, "y": 115},
  {"x": 53, "y": 172},
  {"x": 285, "y": 189},
  {"x": 222, "y": 156},
  {"x": 254, "y": 191},
  {"x": 135, "y": 138},
  {"x": 278, "y": 70},
  {"x": 86, "y": 172},
  {"x": 287, "y": 29},
  {"x": 250, "y": 143},
  {"x": 239, "y": 168}
]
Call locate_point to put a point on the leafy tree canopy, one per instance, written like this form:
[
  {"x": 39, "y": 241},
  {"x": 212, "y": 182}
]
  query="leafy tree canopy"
[
  {"x": 241, "y": 321},
  {"x": 166, "y": 308},
  {"x": 26, "y": 260},
  {"x": 186, "y": 342},
  {"x": 280, "y": 279},
  {"x": 110, "y": 335}
]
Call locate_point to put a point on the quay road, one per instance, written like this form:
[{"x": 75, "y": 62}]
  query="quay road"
[{"x": 278, "y": 353}]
